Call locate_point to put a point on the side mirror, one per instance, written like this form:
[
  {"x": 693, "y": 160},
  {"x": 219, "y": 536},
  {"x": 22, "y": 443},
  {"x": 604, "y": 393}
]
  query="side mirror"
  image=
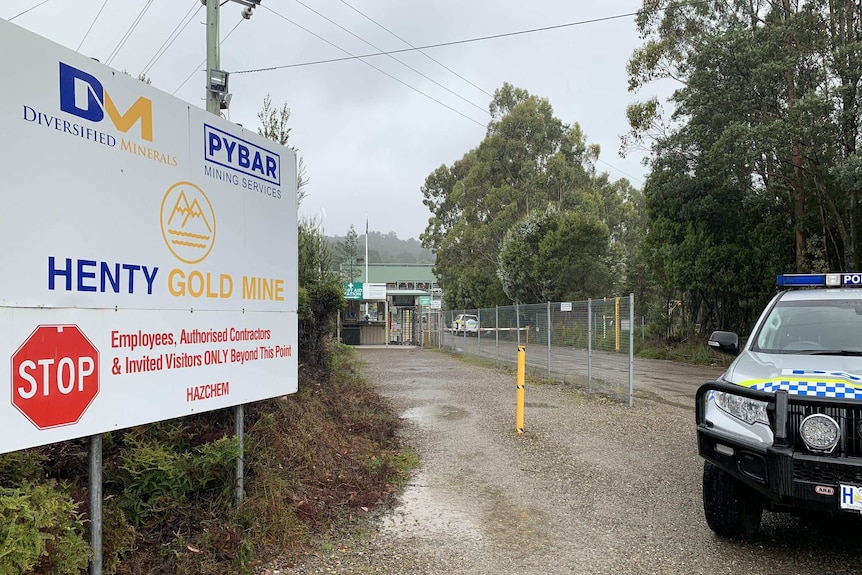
[{"x": 724, "y": 342}]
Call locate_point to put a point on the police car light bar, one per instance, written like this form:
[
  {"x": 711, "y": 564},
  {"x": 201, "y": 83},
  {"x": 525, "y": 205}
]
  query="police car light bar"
[{"x": 819, "y": 280}]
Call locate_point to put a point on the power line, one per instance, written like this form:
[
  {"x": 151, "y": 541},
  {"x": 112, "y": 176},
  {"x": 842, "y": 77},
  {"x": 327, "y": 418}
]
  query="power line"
[
  {"x": 28, "y": 9},
  {"x": 428, "y": 46},
  {"x": 353, "y": 57},
  {"x": 204, "y": 61},
  {"x": 99, "y": 13},
  {"x": 456, "y": 94},
  {"x": 636, "y": 179},
  {"x": 128, "y": 33},
  {"x": 172, "y": 36},
  {"x": 375, "y": 22}
]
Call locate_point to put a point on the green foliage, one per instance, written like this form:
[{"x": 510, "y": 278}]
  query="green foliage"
[
  {"x": 316, "y": 329},
  {"x": 691, "y": 350},
  {"x": 273, "y": 126},
  {"x": 118, "y": 535},
  {"x": 17, "y": 467},
  {"x": 529, "y": 160},
  {"x": 394, "y": 467},
  {"x": 755, "y": 170},
  {"x": 41, "y": 531},
  {"x": 273, "y": 122},
  {"x": 556, "y": 256},
  {"x": 574, "y": 257},
  {"x": 350, "y": 259},
  {"x": 321, "y": 296},
  {"x": 157, "y": 480}
]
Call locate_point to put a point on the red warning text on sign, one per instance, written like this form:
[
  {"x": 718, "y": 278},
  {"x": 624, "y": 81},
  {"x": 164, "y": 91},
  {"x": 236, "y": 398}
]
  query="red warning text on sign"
[{"x": 55, "y": 376}]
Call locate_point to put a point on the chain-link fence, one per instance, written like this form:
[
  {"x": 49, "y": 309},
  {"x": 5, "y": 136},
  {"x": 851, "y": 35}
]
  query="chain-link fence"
[{"x": 586, "y": 343}]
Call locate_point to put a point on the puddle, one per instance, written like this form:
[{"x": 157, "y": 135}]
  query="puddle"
[
  {"x": 436, "y": 413},
  {"x": 448, "y": 512},
  {"x": 426, "y": 511}
]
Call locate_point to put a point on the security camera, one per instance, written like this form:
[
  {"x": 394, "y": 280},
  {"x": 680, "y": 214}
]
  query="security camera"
[{"x": 246, "y": 12}]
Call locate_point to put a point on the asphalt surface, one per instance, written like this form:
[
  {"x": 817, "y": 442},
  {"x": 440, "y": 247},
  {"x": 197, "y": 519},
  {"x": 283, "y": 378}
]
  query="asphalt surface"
[{"x": 591, "y": 487}]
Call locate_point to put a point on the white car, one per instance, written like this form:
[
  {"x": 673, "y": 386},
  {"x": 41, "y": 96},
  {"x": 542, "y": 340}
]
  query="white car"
[
  {"x": 781, "y": 429},
  {"x": 465, "y": 324}
]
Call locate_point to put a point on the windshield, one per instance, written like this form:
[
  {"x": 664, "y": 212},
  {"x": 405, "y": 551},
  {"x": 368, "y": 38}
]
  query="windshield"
[{"x": 815, "y": 326}]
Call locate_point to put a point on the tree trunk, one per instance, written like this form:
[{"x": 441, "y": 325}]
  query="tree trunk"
[{"x": 802, "y": 263}]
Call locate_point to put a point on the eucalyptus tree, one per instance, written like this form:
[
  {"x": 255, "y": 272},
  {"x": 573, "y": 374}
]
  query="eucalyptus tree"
[
  {"x": 528, "y": 160},
  {"x": 754, "y": 168}
]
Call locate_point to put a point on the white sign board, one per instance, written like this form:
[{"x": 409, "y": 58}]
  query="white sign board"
[
  {"x": 436, "y": 303},
  {"x": 375, "y": 291},
  {"x": 566, "y": 306},
  {"x": 147, "y": 248}
]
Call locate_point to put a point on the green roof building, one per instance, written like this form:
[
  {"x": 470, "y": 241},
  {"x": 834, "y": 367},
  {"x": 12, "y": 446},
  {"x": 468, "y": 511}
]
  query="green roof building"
[{"x": 393, "y": 315}]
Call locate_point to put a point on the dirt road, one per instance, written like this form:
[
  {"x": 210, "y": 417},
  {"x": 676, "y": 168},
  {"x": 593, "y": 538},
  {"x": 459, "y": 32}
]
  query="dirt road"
[{"x": 592, "y": 487}]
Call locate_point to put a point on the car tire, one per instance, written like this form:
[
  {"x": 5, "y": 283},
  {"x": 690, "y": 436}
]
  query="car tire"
[{"x": 732, "y": 509}]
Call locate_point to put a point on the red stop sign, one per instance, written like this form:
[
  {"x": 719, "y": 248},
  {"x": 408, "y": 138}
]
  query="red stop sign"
[{"x": 55, "y": 375}]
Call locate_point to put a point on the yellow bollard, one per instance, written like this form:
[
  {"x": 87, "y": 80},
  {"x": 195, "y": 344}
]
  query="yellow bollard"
[{"x": 522, "y": 365}]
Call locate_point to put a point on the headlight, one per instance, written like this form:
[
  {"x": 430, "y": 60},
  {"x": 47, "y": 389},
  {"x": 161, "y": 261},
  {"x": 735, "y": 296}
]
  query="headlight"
[
  {"x": 748, "y": 410},
  {"x": 820, "y": 432}
]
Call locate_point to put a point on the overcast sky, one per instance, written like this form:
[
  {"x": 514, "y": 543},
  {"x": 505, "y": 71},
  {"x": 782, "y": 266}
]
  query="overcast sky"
[{"x": 368, "y": 140}]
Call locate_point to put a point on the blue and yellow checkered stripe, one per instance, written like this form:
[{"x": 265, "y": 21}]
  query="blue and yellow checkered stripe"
[{"x": 807, "y": 387}]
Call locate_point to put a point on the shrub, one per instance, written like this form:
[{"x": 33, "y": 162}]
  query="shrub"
[
  {"x": 41, "y": 531},
  {"x": 156, "y": 480}
]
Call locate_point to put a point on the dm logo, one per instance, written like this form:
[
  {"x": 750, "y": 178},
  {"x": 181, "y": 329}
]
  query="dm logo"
[
  {"x": 188, "y": 222},
  {"x": 82, "y": 95}
]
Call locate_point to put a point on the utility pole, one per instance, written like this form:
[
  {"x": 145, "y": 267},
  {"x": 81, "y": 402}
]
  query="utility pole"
[
  {"x": 218, "y": 97},
  {"x": 213, "y": 55}
]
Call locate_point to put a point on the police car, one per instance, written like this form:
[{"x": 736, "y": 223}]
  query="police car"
[{"x": 781, "y": 429}]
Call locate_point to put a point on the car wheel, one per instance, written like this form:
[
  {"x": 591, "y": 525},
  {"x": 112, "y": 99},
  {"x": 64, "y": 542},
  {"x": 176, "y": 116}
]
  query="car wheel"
[{"x": 732, "y": 509}]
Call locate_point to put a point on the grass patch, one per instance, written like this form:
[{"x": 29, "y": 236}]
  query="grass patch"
[{"x": 692, "y": 350}]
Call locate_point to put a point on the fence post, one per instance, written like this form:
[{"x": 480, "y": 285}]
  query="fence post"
[
  {"x": 549, "y": 340},
  {"x": 497, "y": 333},
  {"x": 518, "y": 323},
  {"x": 441, "y": 325},
  {"x": 590, "y": 345},
  {"x": 631, "y": 349}
]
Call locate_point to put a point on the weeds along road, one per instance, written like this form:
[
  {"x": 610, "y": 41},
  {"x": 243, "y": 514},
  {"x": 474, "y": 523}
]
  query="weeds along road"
[{"x": 591, "y": 487}]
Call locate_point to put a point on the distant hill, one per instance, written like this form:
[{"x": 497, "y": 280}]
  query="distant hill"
[{"x": 385, "y": 249}]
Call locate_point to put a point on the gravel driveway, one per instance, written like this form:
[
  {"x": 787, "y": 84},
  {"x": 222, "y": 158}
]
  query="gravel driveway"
[{"x": 592, "y": 486}]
